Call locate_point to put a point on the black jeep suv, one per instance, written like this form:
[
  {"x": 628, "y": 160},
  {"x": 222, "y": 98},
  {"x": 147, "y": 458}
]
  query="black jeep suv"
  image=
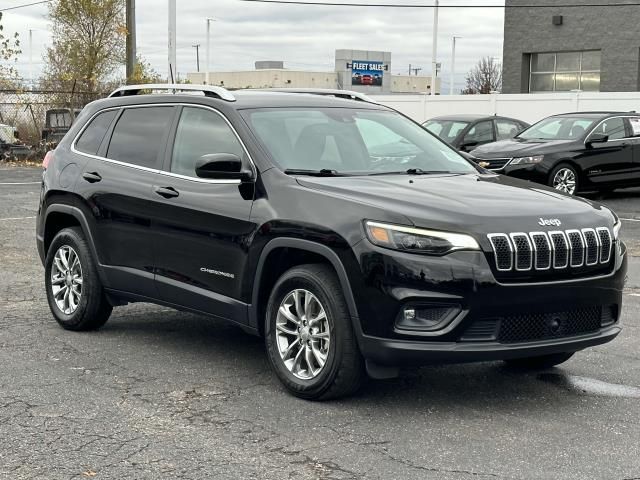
[{"x": 268, "y": 209}]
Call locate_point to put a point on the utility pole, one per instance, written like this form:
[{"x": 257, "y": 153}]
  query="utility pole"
[
  {"x": 434, "y": 53},
  {"x": 131, "y": 39},
  {"x": 453, "y": 65},
  {"x": 172, "y": 42},
  {"x": 207, "y": 66},
  {"x": 31, "y": 57},
  {"x": 197, "y": 47}
]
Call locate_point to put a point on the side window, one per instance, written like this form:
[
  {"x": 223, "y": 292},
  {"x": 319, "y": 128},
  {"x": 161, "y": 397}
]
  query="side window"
[
  {"x": 201, "y": 132},
  {"x": 91, "y": 138},
  {"x": 613, "y": 128},
  {"x": 635, "y": 126},
  {"x": 481, "y": 132},
  {"x": 506, "y": 129},
  {"x": 137, "y": 137}
]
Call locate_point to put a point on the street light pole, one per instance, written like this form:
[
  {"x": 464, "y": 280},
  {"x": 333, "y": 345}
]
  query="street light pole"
[
  {"x": 197, "y": 47},
  {"x": 453, "y": 65},
  {"x": 131, "y": 39},
  {"x": 207, "y": 66},
  {"x": 434, "y": 54},
  {"x": 172, "y": 75},
  {"x": 31, "y": 56}
]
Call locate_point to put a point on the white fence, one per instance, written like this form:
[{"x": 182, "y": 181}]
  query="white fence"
[{"x": 527, "y": 107}]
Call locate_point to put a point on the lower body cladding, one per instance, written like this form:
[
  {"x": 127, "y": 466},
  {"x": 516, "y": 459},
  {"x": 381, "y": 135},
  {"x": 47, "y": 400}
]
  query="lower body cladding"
[{"x": 417, "y": 310}]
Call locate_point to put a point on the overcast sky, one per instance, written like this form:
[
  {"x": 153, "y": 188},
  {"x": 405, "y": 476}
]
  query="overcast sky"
[{"x": 305, "y": 37}]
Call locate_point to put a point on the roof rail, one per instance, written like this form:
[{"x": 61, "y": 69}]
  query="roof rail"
[
  {"x": 208, "y": 90},
  {"x": 348, "y": 94}
]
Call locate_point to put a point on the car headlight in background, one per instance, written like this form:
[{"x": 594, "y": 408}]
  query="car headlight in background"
[
  {"x": 527, "y": 160},
  {"x": 417, "y": 240}
]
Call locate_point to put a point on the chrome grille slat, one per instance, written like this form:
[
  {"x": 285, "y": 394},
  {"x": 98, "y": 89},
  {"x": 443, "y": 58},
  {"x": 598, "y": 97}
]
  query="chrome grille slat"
[
  {"x": 555, "y": 250},
  {"x": 523, "y": 251}
]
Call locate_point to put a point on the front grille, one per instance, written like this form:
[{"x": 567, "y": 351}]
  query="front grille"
[
  {"x": 529, "y": 327},
  {"x": 494, "y": 163},
  {"x": 557, "y": 250}
]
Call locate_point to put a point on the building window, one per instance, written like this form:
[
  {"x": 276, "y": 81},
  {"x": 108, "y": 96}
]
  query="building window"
[{"x": 565, "y": 71}]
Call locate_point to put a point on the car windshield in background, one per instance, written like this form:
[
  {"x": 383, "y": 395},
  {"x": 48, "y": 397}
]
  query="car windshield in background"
[
  {"x": 447, "y": 130},
  {"x": 351, "y": 141},
  {"x": 558, "y": 128}
]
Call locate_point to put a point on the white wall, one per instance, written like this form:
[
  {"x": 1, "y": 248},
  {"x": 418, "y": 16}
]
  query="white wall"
[{"x": 527, "y": 107}]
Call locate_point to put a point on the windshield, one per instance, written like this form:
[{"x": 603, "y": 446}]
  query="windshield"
[
  {"x": 447, "y": 130},
  {"x": 351, "y": 141},
  {"x": 558, "y": 128}
]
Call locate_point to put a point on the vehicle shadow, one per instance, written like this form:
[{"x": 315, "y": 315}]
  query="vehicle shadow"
[{"x": 218, "y": 351}]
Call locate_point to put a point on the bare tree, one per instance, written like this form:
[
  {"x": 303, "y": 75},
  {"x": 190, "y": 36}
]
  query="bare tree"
[
  {"x": 485, "y": 77},
  {"x": 9, "y": 51}
]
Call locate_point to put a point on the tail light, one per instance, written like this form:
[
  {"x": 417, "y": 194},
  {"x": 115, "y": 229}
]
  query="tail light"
[{"x": 48, "y": 158}]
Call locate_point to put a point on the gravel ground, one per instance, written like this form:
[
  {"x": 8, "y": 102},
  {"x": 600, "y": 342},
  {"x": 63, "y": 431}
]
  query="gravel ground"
[{"x": 163, "y": 394}]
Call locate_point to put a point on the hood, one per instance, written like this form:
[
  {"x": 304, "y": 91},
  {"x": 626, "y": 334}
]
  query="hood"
[
  {"x": 516, "y": 147},
  {"x": 484, "y": 203}
]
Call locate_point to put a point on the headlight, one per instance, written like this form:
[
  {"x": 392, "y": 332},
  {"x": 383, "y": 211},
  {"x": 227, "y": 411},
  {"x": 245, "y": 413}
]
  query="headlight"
[
  {"x": 616, "y": 229},
  {"x": 417, "y": 240},
  {"x": 527, "y": 160}
]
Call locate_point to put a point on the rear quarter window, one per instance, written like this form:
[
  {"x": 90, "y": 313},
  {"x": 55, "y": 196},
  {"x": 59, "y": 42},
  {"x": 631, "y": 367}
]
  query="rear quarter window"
[{"x": 92, "y": 136}]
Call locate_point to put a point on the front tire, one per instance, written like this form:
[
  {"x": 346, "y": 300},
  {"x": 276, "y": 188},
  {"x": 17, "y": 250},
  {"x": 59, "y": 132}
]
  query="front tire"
[
  {"x": 539, "y": 363},
  {"x": 564, "y": 178},
  {"x": 309, "y": 336},
  {"x": 74, "y": 291}
]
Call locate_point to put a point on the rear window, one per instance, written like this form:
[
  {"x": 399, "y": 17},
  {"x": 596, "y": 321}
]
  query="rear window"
[
  {"x": 91, "y": 138},
  {"x": 137, "y": 137}
]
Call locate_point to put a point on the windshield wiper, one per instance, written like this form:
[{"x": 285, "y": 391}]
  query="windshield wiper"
[
  {"x": 415, "y": 171},
  {"x": 325, "y": 172}
]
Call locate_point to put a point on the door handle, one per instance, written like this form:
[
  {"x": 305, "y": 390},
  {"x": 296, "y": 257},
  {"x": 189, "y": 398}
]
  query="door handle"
[
  {"x": 167, "y": 192},
  {"x": 92, "y": 177}
]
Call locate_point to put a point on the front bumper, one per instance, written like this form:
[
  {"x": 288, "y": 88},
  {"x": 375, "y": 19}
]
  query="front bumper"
[{"x": 394, "y": 280}]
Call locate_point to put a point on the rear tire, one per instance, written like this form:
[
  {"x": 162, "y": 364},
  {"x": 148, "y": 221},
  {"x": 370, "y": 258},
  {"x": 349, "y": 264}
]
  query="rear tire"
[
  {"x": 539, "y": 363},
  {"x": 74, "y": 291},
  {"x": 309, "y": 336}
]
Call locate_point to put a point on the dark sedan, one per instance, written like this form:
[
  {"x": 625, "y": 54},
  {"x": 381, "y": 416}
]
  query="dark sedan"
[
  {"x": 466, "y": 132},
  {"x": 573, "y": 152}
]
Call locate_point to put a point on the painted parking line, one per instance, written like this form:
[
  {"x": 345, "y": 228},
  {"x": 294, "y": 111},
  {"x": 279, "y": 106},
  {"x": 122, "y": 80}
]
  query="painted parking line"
[
  {"x": 20, "y": 183},
  {"x": 16, "y": 218},
  {"x": 630, "y": 219}
]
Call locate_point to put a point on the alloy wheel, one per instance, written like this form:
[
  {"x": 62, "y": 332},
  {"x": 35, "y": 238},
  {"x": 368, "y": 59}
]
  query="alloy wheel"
[
  {"x": 303, "y": 334},
  {"x": 66, "y": 280},
  {"x": 565, "y": 181}
]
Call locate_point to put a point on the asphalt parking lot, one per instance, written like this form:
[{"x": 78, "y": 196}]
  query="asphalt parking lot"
[{"x": 158, "y": 393}]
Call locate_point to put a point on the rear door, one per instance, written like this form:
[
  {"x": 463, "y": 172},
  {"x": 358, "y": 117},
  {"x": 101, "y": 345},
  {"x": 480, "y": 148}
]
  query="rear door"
[
  {"x": 611, "y": 162},
  {"x": 116, "y": 186},
  {"x": 201, "y": 226}
]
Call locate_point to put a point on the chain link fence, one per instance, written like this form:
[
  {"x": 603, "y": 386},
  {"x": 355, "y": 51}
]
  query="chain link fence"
[{"x": 33, "y": 121}]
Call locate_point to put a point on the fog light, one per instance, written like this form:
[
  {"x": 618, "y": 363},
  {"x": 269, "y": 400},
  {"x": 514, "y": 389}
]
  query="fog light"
[{"x": 426, "y": 318}]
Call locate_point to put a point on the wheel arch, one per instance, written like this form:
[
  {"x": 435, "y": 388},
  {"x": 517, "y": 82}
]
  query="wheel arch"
[
  {"x": 61, "y": 215},
  {"x": 297, "y": 252}
]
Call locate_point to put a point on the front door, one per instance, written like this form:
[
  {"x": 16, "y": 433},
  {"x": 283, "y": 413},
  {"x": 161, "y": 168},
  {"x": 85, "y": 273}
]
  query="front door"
[
  {"x": 201, "y": 226},
  {"x": 611, "y": 162}
]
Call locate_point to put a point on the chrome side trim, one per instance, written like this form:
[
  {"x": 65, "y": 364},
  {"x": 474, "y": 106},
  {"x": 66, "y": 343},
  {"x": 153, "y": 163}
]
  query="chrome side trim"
[
  {"x": 163, "y": 172},
  {"x": 515, "y": 248}
]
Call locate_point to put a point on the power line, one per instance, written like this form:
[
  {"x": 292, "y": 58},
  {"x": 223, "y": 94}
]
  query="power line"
[
  {"x": 405, "y": 5},
  {"x": 24, "y": 5}
]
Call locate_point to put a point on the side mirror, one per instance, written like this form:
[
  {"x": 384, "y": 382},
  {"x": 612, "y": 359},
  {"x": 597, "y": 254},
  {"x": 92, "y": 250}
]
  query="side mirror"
[
  {"x": 222, "y": 166},
  {"x": 465, "y": 146},
  {"x": 597, "y": 138}
]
